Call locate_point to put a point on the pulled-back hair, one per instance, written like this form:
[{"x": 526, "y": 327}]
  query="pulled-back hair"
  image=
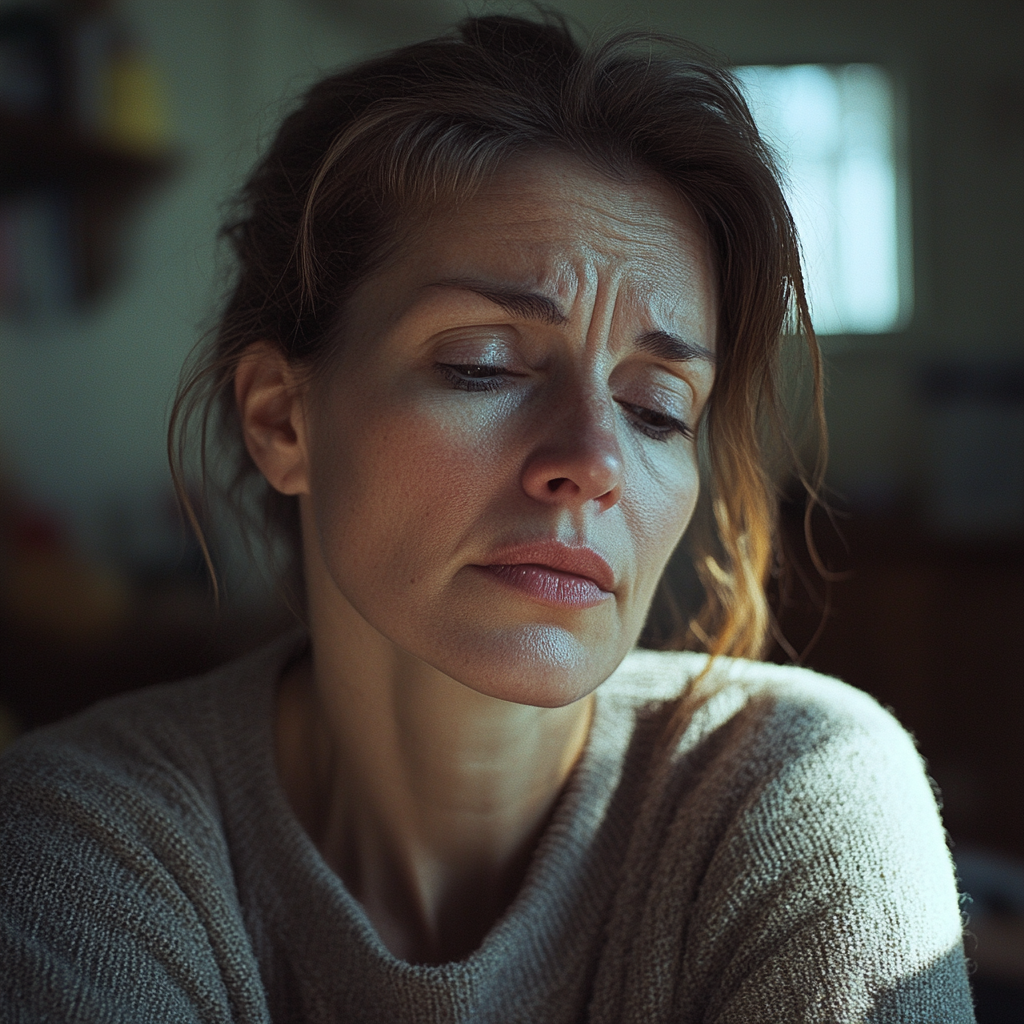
[{"x": 429, "y": 123}]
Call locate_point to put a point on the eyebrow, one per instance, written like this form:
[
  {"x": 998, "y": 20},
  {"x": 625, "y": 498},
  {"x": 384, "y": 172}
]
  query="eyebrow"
[
  {"x": 526, "y": 305},
  {"x": 534, "y": 306},
  {"x": 676, "y": 350}
]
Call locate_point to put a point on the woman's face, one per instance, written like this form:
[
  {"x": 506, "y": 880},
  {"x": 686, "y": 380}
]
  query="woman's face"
[{"x": 502, "y": 457}]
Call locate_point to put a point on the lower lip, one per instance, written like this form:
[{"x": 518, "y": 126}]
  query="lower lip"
[{"x": 550, "y": 586}]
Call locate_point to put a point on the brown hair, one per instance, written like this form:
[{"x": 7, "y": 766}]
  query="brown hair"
[{"x": 428, "y": 123}]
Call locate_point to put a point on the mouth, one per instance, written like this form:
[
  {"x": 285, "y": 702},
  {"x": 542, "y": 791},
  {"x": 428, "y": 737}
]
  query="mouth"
[{"x": 553, "y": 574}]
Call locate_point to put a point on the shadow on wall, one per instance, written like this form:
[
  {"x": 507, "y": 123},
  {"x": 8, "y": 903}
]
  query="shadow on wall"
[{"x": 975, "y": 423}]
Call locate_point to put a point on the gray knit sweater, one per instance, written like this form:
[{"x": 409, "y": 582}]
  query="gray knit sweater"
[{"x": 783, "y": 862}]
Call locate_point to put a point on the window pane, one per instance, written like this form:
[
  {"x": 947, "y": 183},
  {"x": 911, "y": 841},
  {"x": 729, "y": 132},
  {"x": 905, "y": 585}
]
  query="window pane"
[{"x": 833, "y": 127}]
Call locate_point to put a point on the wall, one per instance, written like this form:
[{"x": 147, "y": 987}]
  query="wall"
[
  {"x": 83, "y": 400},
  {"x": 84, "y": 396}
]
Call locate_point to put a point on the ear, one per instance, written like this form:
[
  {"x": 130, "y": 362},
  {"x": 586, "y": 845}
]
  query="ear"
[{"x": 272, "y": 409}]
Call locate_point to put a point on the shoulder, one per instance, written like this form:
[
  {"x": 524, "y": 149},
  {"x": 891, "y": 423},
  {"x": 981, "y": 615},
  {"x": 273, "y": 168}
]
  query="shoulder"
[
  {"x": 146, "y": 770},
  {"x": 752, "y": 747},
  {"x": 117, "y": 888},
  {"x": 797, "y": 776},
  {"x": 785, "y": 707},
  {"x": 787, "y": 742},
  {"x": 790, "y": 827}
]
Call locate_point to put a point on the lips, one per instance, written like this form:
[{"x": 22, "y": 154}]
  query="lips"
[
  {"x": 579, "y": 561},
  {"x": 554, "y": 573}
]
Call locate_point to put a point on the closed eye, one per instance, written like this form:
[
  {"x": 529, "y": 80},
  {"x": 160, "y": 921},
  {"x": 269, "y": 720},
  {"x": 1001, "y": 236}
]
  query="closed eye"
[
  {"x": 657, "y": 425},
  {"x": 490, "y": 377},
  {"x": 474, "y": 376}
]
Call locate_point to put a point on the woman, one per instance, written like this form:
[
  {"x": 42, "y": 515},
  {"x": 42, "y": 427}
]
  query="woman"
[{"x": 501, "y": 304}]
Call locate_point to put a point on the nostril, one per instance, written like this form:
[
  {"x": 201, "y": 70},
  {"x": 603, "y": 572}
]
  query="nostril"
[{"x": 554, "y": 485}]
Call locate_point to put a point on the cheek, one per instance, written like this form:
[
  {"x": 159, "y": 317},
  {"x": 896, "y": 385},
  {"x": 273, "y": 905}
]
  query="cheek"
[
  {"x": 658, "y": 516},
  {"x": 391, "y": 489}
]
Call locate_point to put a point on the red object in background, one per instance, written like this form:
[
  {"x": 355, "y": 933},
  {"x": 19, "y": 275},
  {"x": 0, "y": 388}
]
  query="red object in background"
[{"x": 35, "y": 530}]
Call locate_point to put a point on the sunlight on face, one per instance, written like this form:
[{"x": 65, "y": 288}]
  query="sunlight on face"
[{"x": 503, "y": 455}]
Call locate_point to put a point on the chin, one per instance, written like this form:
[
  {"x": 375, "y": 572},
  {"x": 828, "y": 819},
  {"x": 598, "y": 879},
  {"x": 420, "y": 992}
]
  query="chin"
[{"x": 541, "y": 665}]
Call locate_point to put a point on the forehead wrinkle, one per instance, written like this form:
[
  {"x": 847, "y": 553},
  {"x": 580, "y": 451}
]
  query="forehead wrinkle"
[
  {"x": 635, "y": 300},
  {"x": 549, "y": 270},
  {"x": 589, "y": 193},
  {"x": 670, "y": 318},
  {"x": 601, "y": 233}
]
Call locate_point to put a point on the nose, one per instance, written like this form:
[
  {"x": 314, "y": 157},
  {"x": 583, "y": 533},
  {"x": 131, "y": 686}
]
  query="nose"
[{"x": 578, "y": 458}]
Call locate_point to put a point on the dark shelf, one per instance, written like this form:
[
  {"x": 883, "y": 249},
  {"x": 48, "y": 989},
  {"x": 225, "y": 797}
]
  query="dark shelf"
[
  {"x": 45, "y": 151},
  {"x": 98, "y": 182},
  {"x": 173, "y": 631}
]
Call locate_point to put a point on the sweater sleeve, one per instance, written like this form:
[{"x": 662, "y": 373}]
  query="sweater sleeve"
[
  {"x": 116, "y": 903},
  {"x": 831, "y": 895}
]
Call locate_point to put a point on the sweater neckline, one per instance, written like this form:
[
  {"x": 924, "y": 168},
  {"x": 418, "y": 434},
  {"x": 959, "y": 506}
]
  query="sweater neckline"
[{"x": 291, "y": 873}]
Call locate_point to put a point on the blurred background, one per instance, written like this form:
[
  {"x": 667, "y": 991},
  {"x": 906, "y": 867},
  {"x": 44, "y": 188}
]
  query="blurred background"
[{"x": 124, "y": 126}]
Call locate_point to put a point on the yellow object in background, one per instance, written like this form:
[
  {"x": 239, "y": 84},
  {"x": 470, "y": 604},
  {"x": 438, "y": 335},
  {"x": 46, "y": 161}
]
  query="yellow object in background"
[{"x": 137, "y": 110}]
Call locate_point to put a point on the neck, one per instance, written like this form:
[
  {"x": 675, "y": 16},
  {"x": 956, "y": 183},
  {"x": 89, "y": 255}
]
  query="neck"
[{"x": 424, "y": 795}]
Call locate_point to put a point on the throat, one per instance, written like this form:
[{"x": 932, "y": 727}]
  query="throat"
[
  {"x": 427, "y": 800},
  {"x": 434, "y": 914}
]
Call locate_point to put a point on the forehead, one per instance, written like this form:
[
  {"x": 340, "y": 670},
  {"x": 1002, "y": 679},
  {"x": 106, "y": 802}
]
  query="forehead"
[{"x": 549, "y": 223}]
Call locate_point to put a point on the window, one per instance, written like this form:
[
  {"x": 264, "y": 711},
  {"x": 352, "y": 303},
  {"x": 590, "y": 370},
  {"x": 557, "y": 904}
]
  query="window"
[{"x": 833, "y": 128}]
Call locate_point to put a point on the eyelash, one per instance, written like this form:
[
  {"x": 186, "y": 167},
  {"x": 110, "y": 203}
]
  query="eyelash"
[
  {"x": 659, "y": 432},
  {"x": 457, "y": 375}
]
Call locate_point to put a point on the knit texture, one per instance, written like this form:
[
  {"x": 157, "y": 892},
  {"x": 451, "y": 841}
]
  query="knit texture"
[{"x": 784, "y": 861}]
